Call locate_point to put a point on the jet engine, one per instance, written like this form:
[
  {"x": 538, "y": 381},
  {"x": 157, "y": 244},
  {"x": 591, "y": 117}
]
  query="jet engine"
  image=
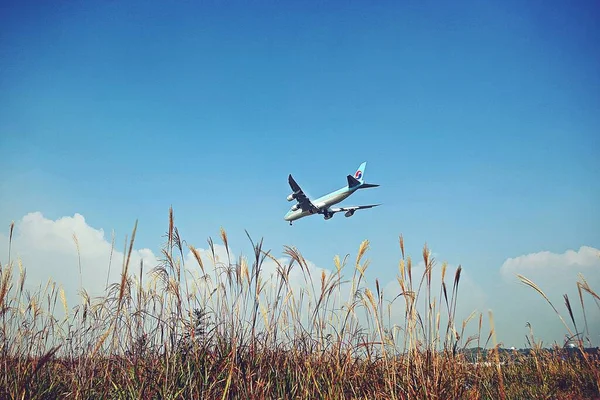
[
  {"x": 327, "y": 216},
  {"x": 349, "y": 213},
  {"x": 295, "y": 207},
  {"x": 291, "y": 197}
]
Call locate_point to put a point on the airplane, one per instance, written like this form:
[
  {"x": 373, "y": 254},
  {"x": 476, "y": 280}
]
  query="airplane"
[{"x": 305, "y": 207}]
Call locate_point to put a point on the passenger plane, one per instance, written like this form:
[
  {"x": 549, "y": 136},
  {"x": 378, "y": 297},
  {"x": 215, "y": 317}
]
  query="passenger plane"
[{"x": 305, "y": 207}]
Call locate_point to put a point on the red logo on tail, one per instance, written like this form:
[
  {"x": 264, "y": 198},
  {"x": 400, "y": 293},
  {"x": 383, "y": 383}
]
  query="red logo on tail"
[{"x": 358, "y": 174}]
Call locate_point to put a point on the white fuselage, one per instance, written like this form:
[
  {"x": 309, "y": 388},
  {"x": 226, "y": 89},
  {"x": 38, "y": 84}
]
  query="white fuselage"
[{"x": 322, "y": 203}]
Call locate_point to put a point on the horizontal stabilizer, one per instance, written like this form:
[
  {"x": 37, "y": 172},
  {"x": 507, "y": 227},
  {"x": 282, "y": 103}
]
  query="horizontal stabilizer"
[{"x": 368, "y": 185}]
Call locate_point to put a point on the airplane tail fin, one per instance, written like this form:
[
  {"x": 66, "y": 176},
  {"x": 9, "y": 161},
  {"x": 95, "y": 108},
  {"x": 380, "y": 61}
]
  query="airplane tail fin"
[
  {"x": 352, "y": 181},
  {"x": 358, "y": 179},
  {"x": 360, "y": 172}
]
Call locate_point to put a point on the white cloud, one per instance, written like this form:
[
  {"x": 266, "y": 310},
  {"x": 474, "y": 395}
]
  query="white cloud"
[
  {"x": 555, "y": 274},
  {"x": 557, "y": 266},
  {"x": 48, "y": 251}
]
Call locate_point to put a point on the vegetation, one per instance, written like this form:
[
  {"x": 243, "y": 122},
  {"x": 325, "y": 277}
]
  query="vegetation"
[{"x": 232, "y": 330}]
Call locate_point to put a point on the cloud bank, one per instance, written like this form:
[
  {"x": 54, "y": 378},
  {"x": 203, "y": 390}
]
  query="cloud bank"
[
  {"x": 556, "y": 274},
  {"x": 69, "y": 252},
  {"x": 75, "y": 255},
  {"x": 55, "y": 249},
  {"x": 545, "y": 264}
]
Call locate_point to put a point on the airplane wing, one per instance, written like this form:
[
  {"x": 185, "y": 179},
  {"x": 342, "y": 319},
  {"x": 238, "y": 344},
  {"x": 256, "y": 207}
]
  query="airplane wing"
[
  {"x": 303, "y": 200},
  {"x": 352, "y": 208}
]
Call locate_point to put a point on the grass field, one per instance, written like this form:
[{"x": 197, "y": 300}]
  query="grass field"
[{"x": 232, "y": 331}]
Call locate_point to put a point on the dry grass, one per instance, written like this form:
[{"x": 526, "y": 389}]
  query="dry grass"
[{"x": 229, "y": 331}]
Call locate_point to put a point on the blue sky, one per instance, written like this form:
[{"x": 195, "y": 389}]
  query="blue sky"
[{"x": 479, "y": 120}]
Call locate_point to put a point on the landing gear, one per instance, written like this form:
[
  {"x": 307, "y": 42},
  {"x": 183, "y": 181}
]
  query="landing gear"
[{"x": 290, "y": 223}]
